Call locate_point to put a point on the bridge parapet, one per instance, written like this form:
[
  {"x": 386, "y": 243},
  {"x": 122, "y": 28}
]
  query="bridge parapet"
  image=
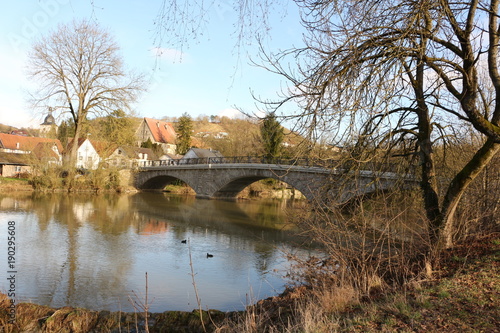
[
  {"x": 331, "y": 164},
  {"x": 328, "y": 163}
]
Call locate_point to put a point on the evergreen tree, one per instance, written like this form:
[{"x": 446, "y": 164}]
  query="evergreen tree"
[
  {"x": 118, "y": 128},
  {"x": 184, "y": 129},
  {"x": 272, "y": 136},
  {"x": 66, "y": 130}
]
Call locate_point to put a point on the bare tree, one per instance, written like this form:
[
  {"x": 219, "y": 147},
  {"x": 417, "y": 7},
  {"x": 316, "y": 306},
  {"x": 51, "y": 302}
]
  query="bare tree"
[
  {"x": 396, "y": 75},
  {"x": 404, "y": 73},
  {"x": 79, "y": 71}
]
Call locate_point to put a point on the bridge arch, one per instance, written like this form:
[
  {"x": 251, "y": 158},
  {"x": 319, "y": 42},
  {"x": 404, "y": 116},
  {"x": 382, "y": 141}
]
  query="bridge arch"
[
  {"x": 235, "y": 185},
  {"x": 227, "y": 180},
  {"x": 160, "y": 181}
]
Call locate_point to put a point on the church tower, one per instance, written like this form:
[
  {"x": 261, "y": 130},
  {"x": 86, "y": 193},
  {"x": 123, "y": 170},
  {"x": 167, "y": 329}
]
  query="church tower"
[{"x": 48, "y": 128}]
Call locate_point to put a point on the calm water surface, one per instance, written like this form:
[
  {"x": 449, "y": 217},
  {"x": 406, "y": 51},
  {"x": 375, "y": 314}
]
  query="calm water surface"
[{"x": 93, "y": 251}]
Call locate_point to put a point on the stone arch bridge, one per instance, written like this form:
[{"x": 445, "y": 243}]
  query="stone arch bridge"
[{"x": 224, "y": 178}]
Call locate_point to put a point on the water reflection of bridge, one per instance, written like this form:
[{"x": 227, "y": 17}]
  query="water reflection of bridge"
[{"x": 225, "y": 177}]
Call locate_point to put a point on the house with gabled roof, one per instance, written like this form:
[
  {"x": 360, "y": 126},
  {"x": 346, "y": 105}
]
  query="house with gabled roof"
[
  {"x": 86, "y": 156},
  {"x": 12, "y": 164},
  {"x": 19, "y": 152},
  {"x": 20, "y": 144},
  {"x": 170, "y": 159},
  {"x": 159, "y": 132},
  {"x": 48, "y": 153},
  {"x": 204, "y": 154},
  {"x": 126, "y": 157}
]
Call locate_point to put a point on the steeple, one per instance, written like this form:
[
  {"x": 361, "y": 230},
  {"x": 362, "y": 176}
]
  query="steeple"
[
  {"x": 48, "y": 127},
  {"x": 49, "y": 120}
]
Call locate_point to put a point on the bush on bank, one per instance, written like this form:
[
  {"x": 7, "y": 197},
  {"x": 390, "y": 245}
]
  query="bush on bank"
[{"x": 100, "y": 179}]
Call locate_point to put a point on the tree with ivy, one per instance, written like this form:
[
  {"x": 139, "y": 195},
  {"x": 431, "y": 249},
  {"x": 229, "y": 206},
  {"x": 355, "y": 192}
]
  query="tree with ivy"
[
  {"x": 153, "y": 146},
  {"x": 272, "y": 135},
  {"x": 184, "y": 130},
  {"x": 119, "y": 128}
]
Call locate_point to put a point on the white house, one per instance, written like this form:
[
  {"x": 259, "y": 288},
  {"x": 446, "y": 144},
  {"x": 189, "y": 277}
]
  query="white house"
[
  {"x": 170, "y": 159},
  {"x": 87, "y": 156},
  {"x": 198, "y": 153}
]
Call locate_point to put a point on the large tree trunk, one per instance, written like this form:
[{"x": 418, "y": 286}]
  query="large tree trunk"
[
  {"x": 72, "y": 156},
  {"x": 458, "y": 186}
]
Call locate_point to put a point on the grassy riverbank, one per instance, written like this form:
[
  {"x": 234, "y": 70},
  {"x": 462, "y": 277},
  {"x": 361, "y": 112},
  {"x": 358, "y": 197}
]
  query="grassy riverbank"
[
  {"x": 463, "y": 295},
  {"x": 14, "y": 184}
]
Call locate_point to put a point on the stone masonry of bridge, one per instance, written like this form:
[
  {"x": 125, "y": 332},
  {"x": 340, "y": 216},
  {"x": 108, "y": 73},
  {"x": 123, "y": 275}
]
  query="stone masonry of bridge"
[{"x": 225, "y": 181}]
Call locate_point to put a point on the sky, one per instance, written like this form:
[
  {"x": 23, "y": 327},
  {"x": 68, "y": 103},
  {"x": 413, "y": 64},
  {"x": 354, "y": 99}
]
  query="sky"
[{"x": 207, "y": 76}]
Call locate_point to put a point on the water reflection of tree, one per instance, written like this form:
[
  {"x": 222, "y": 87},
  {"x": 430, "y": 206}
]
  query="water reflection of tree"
[
  {"x": 92, "y": 254},
  {"x": 77, "y": 268},
  {"x": 265, "y": 255}
]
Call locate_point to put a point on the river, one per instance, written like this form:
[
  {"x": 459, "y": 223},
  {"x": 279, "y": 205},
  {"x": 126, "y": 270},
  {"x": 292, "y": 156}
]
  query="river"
[{"x": 94, "y": 251}]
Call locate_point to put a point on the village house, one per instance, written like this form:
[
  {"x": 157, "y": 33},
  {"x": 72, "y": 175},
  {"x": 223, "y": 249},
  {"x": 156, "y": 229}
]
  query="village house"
[
  {"x": 194, "y": 154},
  {"x": 18, "y": 153},
  {"x": 13, "y": 165},
  {"x": 20, "y": 144},
  {"x": 127, "y": 157},
  {"x": 86, "y": 156},
  {"x": 159, "y": 132},
  {"x": 170, "y": 159}
]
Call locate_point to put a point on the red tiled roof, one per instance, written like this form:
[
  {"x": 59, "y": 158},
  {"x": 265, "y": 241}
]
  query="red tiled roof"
[
  {"x": 69, "y": 145},
  {"x": 44, "y": 150},
  {"x": 26, "y": 143},
  {"x": 162, "y": 131},
  {"x": 103, "y": 149}
]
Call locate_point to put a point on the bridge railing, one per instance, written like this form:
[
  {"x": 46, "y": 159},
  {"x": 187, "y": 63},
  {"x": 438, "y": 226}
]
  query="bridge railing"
[
  {"x": 345, "y": 165},
  {"x": 240, "y": 160}
]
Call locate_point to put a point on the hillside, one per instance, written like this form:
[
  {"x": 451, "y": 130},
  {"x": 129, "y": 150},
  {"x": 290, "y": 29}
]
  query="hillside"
[
  {"x": 6, "y": 128},
  {"x": 234, "y": 137}
]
